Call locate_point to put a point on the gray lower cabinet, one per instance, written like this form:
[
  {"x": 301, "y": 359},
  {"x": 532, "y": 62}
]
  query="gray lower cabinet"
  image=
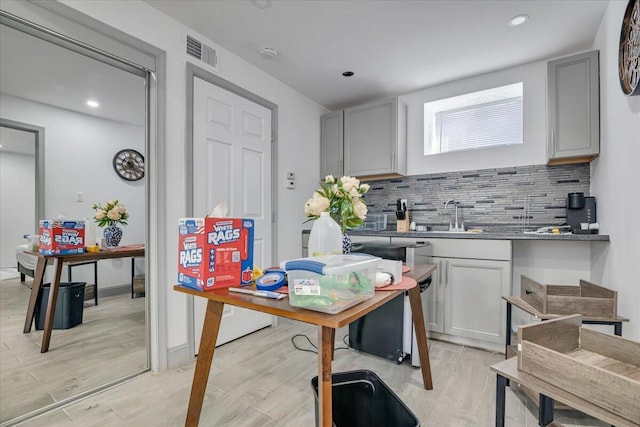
[
  {"x": 574, "y": 108},
  {"x": 470, "y": 295},
  {"x": 465, "y": 302}
]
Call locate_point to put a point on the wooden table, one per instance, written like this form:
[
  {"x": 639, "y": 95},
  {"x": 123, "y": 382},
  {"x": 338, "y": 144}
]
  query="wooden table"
[
  {"x": 528, "y": 308},
  {"x": 131, "y": 251},
  {"x": 507, "y": 370},
  {"x": 327, "y": 325}
]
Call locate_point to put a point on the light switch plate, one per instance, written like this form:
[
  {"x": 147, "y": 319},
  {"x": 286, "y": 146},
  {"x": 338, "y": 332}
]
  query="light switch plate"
[
  {"x": 291, "y": 175},
  {"x": 291, "y": 184}
]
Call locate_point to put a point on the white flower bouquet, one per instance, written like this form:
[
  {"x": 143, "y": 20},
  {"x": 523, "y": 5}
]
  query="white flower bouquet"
[
  {"x": 111, "y": 213},
  {"x": 342, "y": 198}
]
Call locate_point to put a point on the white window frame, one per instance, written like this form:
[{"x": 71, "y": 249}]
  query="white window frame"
[{"x": 468, "y": 102}]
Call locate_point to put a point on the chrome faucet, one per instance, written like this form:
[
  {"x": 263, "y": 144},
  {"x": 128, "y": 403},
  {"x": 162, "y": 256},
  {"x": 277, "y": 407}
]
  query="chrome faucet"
[{"x": 451, "y": 227}]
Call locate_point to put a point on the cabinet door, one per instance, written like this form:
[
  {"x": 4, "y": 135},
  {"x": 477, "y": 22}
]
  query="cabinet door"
[
  {"x": 372, "y": 141},
  {"x": 574, "y": 107},
  {"x": 331, "y": 145},
  {"x": 435, "y": 297},
  {"x": 473, "y": 298}
]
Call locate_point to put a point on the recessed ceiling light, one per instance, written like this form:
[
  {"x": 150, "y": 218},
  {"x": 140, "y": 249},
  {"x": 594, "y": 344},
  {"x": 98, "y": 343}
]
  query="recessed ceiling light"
[
  {"x": 348, "y": 73},
  {"x": 518, "y": 20},
  {"x": 93, "y": 104}
]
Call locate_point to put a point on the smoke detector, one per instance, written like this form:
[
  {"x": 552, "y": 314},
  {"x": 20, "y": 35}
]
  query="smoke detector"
[
  {"x": 268, "y": 53},
  {"x": 261, "y": 4}
]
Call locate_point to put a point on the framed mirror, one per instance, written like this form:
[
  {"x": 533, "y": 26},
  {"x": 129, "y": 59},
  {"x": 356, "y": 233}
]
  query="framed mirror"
[{"x": 46, "y": 85}]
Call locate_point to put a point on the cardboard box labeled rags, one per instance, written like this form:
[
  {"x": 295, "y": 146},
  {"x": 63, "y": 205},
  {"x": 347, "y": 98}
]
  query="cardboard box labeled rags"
[
  {"x": 215, "y": 253},
  {"x": 61, "y": 237}
]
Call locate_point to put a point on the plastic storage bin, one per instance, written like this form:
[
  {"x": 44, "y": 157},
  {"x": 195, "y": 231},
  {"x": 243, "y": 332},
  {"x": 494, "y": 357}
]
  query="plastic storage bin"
[
  {"x": 331, "y": 283},
  {"x": 362, "y": 399},
  {"x": 69, "y": 305},
  {"x": 374, "y": 222}
]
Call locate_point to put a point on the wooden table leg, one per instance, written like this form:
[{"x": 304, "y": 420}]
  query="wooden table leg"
[
  {"x": 51, "y": 308},
  {"x": 210, "y": 329},
  {"x": 333, "y": 343},
  {"x": 325, "y": 336},
  {"x": 35, "y": 288},
  {"x": 421, "y": 336}
]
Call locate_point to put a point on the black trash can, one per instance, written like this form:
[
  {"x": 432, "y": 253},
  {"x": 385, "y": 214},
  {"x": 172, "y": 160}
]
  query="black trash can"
[
  {"x": 69, "y": 306},
  {"x": 362, "y": 399}
]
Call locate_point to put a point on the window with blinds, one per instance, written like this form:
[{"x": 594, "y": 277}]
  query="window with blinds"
[{"x": 476, "y": 120}]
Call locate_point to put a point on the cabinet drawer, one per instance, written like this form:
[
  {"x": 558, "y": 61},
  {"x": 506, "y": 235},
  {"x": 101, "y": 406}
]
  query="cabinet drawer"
[{"x": 466, "y": 248}]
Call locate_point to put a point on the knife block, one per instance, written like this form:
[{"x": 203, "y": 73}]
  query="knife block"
[{"x": 402, "y": 225}]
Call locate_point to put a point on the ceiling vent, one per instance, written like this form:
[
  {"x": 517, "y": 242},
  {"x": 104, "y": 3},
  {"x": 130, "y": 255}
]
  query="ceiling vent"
[{"x": 202, "y": 52}]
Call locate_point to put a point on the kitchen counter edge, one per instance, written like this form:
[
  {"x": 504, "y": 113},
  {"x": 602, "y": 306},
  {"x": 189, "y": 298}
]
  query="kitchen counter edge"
[{"x": 483, "y": 235}]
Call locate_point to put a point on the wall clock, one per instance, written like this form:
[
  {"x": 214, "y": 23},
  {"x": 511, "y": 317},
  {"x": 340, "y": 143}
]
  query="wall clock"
[
  {"x": 629, "y": 51},
  {"x": 129, "y": 164}
]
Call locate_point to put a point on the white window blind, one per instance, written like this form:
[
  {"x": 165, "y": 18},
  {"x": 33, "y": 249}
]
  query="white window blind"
[
  {"x": 488, "y": 118},
  {"x": 485, "y": 125}
]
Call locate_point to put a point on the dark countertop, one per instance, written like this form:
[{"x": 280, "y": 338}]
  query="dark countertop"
[{"x": 485, "y": 235}]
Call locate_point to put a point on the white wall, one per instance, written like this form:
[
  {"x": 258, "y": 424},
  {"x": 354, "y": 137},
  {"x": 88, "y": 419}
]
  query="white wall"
[
  {"x": 298, "y": 137},
  {"x": 298, "y": 144},
  {"x": 532, "y": 152},
  {"x": 615, "y": 177},
  {"x": 79, "y": 149},
  {"x": 17, "y": 202}
]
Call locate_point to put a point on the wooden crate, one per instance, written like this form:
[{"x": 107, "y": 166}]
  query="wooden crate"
[
  {"x": 600, "y": 368},
  {"x": 587, "y": 299}
]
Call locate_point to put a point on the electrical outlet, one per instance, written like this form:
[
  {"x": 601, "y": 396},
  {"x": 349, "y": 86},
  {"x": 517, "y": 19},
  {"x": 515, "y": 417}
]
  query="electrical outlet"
[{"x": 291, "y": 184}]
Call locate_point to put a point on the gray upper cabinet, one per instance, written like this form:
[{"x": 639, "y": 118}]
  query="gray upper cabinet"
[
  {"x": 331, "y": 144},
  {"x": 574, "y": 109},
  {"x": 375, "y": 139}
]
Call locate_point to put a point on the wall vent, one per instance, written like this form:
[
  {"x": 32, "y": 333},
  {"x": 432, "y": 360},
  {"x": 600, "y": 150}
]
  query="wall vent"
[{"x": 202, "y": 52}]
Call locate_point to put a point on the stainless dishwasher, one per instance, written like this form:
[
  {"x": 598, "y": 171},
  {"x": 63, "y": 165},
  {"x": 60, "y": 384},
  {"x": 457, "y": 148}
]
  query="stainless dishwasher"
[{"x": 388, "y": 331}]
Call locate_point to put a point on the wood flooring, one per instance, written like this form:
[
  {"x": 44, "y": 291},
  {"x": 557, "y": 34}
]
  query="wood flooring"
[
  {"x": 108, "y": 345},
  {"x": 261, "y": 380}
]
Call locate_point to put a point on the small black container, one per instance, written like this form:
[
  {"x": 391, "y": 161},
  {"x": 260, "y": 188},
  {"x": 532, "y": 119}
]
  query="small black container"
[
  {"x": 69, "y": 305},
  {"x": 575, "y": 200},
  {"x": 361, "y": 399}
]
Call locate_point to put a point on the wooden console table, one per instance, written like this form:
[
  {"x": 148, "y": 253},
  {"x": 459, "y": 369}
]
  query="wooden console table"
[
  {"x": 507, "y": 370},
  {"x": 528, "y": 308},
  {"x": 327, "y": 325},
  {"x": 131, "y": 251}
]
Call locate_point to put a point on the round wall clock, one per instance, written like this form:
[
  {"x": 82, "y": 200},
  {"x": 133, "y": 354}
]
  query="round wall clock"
[
  {"x": 129, "y": 164},
  {"x": 629, "y": 51}
]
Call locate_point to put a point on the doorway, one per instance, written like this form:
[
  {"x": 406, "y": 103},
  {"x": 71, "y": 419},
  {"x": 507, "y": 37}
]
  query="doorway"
[
  {"x": 231, "y": 140},
  {"x": 21, "y": 149}
]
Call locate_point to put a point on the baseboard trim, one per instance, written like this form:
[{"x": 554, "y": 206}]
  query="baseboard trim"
[
  {"x": 114, "y": 290},
  {"x": 482, "y": 345},
  {"x": 178, "y": 355}
]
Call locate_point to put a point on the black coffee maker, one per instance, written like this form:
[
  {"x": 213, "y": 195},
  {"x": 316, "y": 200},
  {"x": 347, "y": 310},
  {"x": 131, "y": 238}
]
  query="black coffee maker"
[{"x": 581, "y": 209}]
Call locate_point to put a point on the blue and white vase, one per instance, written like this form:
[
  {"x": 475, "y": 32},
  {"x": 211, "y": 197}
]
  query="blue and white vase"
[
  {"x": 346, "y": 244},
  {"x": 112, "y": 236}
]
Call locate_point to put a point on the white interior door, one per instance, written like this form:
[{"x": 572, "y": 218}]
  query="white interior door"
[{"x": 232, "y": 164}]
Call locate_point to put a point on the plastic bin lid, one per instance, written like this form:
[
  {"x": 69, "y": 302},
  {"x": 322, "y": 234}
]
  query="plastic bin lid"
[
  {"x": 64, "y": 284},
  {"x": 332, "y": 264}
]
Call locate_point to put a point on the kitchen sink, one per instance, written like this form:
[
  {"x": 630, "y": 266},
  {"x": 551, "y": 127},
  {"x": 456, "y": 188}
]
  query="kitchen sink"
[{"x": 453, "y": 232}]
